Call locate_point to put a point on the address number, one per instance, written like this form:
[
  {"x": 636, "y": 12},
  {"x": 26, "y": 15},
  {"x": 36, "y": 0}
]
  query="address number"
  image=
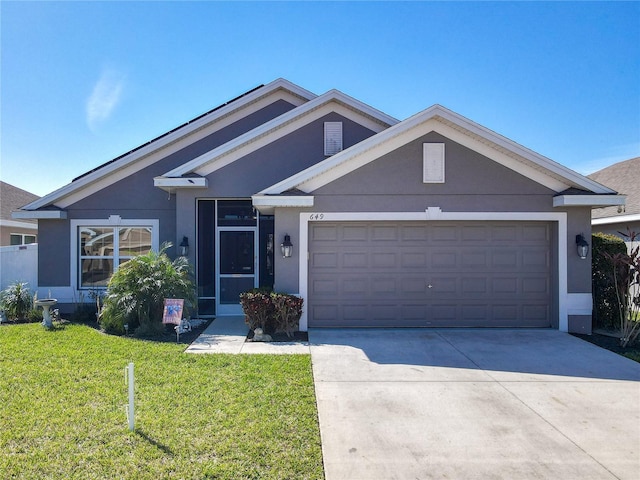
[{"x": 316, "y": 216}]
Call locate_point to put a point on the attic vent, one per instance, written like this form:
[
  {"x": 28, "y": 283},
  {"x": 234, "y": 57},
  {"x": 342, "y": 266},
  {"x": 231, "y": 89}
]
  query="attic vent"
[
  {"x": 332, "y": 138},
  {"x": 433, "y": 162}
]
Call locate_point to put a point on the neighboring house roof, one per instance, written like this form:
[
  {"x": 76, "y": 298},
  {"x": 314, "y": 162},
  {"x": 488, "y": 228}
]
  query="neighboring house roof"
[
  {"x": 11, "y": 199},
  {"x": 625, "y": 178},
  {"x": 150, "y": 152},
  {"x": 561, "y": 179}
]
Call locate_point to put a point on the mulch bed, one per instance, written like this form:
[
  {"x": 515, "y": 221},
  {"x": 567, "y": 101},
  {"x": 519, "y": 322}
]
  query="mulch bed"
[
  {"x": 610, "y": 343},
  {"x": 282, "y": 337}
]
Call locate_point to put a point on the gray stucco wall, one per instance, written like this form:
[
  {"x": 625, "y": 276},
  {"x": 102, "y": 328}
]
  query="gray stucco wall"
[
  {"x": 473, "y": 183},
  {"x": 53, "y": 253},
  {"x": 263, "y": 168},
  {"x": 134, "y": 197}
]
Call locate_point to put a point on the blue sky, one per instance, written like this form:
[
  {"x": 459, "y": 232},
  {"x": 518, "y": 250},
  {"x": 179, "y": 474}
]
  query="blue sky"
[{"x": 83, "y": 82}]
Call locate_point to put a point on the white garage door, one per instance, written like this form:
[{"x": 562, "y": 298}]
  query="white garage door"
[{"x": 465, "y": 274}]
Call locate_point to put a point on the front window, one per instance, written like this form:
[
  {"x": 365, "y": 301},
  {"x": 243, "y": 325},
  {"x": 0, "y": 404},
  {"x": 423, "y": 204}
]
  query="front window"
[
  {"x": 103, "y": 248},
  {"x": 22, "y": 239}
]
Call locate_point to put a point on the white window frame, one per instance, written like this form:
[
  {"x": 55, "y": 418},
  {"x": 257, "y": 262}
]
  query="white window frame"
[
  {"x": 114, "y": 221},
  {"x": 22, "y": 238}
]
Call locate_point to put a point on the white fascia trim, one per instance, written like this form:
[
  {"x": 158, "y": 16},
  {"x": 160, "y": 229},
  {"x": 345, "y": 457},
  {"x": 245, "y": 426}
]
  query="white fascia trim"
[
  {"x": 435, "y": 213},
  {"x": 40, "y": 214},
  {"x": 434, "y": 119},
  {"x": 14, "y": 224},
  {"x": 180, "y": 182},
  {"x": 389, "y": 140},
  {"x": 616, "y": 219},
  {"x": 571, "y": 176},
  {"x": 332, "y": 101},
  {"x": 282, "y": 200},
  {"x": 112, "y": 221},
  {"x": 279, "y": 89},
  {"x": 588, "y": 200}
]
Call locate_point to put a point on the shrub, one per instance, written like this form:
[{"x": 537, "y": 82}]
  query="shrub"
[
  {"x": 287, "y": 312},
  {"x": 36, "y": 315},
  {"x": 605, "y": 300},
  {"x": 273, "y": 312},
  {"x": 626, "y": 275},
  {"x": 136, "y": 292},
  {"x": 258, "y": 309},
  {"x": 17, "y": 301}
]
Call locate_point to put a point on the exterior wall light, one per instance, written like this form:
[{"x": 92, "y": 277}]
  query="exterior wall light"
[
  {"x": 582, "y": 245},
  {"x": 184, "y": 247},
  {"x": 286, "y": 247}
]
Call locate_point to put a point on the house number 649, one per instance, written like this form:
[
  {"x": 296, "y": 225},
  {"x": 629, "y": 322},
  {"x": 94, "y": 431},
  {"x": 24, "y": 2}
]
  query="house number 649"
[{"x": 316, "y": 216}]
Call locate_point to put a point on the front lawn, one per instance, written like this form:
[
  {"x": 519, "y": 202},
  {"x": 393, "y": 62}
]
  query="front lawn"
[{"x": 62, "y": 415}]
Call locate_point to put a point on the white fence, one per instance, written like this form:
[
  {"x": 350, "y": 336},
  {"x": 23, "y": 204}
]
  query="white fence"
[{"x": 19, "y": 263}]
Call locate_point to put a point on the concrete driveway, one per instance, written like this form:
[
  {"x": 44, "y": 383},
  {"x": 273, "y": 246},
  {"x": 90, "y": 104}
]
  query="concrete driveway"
[{"x": 466, "y": 404}]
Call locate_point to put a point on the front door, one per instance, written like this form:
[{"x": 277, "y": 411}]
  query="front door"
[{"x": 237, "y": 257}]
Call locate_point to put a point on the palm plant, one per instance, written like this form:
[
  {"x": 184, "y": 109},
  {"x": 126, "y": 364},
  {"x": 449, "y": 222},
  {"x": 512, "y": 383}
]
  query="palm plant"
[
  {"x": 16, "y": 301},
  {"x": 136, "y": 291}
]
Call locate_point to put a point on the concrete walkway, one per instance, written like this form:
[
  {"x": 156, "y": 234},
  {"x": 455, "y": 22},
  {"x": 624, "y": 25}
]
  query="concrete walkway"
[
  {"x": 474, "y": 404},
  {"x": 228, "y": 334},
  {"x": 463, "y": 404}
]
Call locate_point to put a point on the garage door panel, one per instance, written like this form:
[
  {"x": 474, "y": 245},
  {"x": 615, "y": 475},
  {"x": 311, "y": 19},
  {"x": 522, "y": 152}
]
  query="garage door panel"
[
  {"x": 504, "y": 285},
  {"x": 321, "y": 260},
  {"x": 354, "y": 233},
  {"x": 474, "y": 313},
  {"x": 354, "y": 260},
  {"x": 480, "y": 273},
  {"x": 325, "y": 287},
  {"x": 444, "y": 233},
  {"x": 474, "y": 286},
  {"x": 444, "y": 259},
  {"x": 384, "y": 260},
  {"x": 412, "y": 234},
  {"x": 413, "y": 260},
  {"x": 535, "y": 313},
  {"x": 476, "y": 233},
  {"x": 358, "y": 286},
  {"x": 504, "y": 259},
  {"x": 384, "y": 233},
  {"x": 324, "y": 232},
  {"x": 505, "y": 313},
  {"x": 384, "y": 286},
  {"x": 534, "y": 285},
  {"x": 474, "y": 259},
  {"x": 536, "y": 233},
  {"x": 536, "y": 259},
  {"x": 504, "y": 233}
]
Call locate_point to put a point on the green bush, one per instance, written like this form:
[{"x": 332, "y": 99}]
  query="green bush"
[
  {"x": 273, "y": 312},
  {"x": 35, "y": 315},
  {"x": 17, "y": 301},
  {"x": 605, "y": 301},
  {"x": 136, "y": 292}
]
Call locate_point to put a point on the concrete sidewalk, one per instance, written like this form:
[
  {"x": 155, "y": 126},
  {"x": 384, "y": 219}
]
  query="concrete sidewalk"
[
  {"x": 474, "y": 404},
  {"x": 228, "y": 334}
]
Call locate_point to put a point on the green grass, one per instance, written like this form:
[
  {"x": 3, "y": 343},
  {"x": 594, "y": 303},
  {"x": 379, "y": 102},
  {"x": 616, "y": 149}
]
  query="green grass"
[{"x": 62, "y": 415}]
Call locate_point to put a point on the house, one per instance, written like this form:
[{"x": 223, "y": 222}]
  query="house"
[
  {"x": 430, "y": 221},
  {"x": 625, "y": 178},
  {"x": 16, "y": 232}
]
